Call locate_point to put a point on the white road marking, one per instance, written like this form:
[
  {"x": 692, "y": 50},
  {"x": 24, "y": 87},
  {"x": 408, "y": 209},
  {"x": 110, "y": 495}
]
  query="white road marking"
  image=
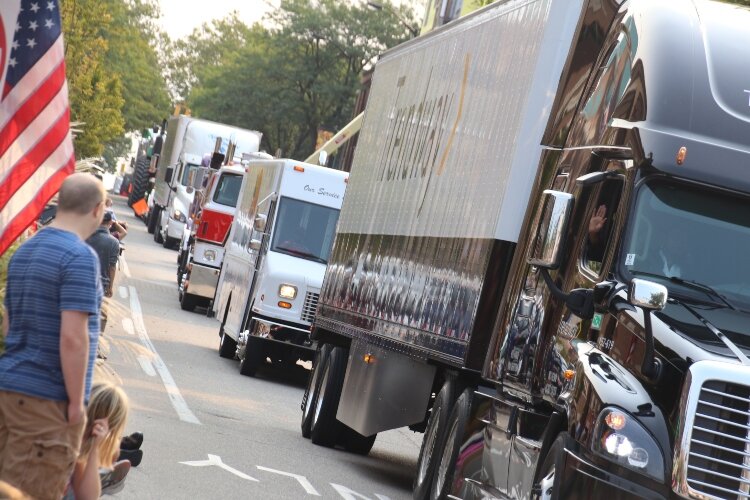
[
  {"x": 178, "y": 402},
  {"x": 123, "y": 292},
  {"x": 216, "y": 460},
  {"x": 302, "y": 480},
  {"x": 147, "y": 366},
  {"x": 125, "y": 268},
  {"x": 127, "y": 325},
  {"x": 348, "y": 494}
]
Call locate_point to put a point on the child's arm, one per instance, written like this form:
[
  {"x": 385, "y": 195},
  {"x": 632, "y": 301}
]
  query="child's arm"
[{"x": 86, "y": 482}]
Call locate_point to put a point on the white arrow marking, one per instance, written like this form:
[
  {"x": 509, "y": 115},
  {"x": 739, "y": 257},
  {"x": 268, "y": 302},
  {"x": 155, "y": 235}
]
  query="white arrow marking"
[
  {"x": 215, "y": 460},
  {"x": 146, "y": 366},
  {"x": 302, "y": 480},
  {"x": 348, "y": 494},
  {"x": 123, "y": 292}
]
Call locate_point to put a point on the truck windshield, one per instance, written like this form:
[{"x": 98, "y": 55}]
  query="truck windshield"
[
  {"x": 305, "y": 230},
  {"x": 693, "y": 240},
  {"x": 228, "y": 190}
]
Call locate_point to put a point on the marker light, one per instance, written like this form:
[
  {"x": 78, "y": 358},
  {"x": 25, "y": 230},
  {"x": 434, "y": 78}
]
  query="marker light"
[
  {"x": 285, "y": 305},
  {"x": 681, "y": 154},
  {"x": 297, "y": 168},
  {"x": 615, "y": 420},
  {"x": 287, "y": 291},
  {"x": 368, "y": 358}
]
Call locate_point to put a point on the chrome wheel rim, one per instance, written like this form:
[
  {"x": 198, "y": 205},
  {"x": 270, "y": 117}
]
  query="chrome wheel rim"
[
  {"x": 311, "y": 394},
  {"x": 546, "y": 484}
]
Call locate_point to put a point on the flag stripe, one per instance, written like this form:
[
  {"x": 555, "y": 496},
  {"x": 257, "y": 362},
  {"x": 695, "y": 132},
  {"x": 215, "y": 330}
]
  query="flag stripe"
[
  {"x": 37, "y": 156},
  {"x": 32, "y": 107},
  {"x": 29, "y": 214},
  {"x": 33, "y": 133},
  {"x": 27, "y": 86}
]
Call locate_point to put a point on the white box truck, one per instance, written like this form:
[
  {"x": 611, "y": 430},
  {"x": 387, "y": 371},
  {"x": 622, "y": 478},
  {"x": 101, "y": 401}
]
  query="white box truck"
[
  {"x": 541, "y": 260},
  {"x": 274, "y": 261},
  {"x": 188, "y": 140}
]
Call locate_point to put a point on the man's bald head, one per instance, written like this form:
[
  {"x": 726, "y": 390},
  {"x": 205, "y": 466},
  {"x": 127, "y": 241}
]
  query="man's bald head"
[{"x": 80, "y": 194}]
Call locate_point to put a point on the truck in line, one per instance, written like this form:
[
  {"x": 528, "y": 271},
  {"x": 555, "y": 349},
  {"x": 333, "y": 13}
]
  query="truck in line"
[
  {"x": 188, "y": 139},
  {"x": 274, "y": 261},
  {"x": 541, "y": 258}
]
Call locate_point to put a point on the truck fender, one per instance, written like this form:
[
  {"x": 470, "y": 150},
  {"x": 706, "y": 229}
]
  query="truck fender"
[{"x": 600, "y": 381}]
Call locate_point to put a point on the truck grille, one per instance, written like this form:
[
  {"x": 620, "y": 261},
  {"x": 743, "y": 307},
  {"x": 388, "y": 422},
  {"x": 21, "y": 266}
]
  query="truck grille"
[
  {"x": 712, "y": 446},
  {"x": 718, "y": 460},
  {"x": 310, "y": 306}
]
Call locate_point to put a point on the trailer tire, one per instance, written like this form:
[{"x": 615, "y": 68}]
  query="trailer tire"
[
  {"x": 227, "y": 345},
  {"x": 548, "y": 482},
  {"x": 313, "y": 387},
  {"x": 140, "y": 180},
  {"x": 153, "y": 218},
  {"x": 442, "y": 479},
  {"x": 354, "y": 442},
  {"x": 325, "y": 429},
  {"x": 188, "y": 301},
  {"x": 254, "y": 357},
  {"x": 157, "y": 230},
  {"x": 434, "y": 437}
]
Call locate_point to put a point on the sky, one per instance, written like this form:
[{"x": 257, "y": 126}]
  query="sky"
[{"x": 180, "y": 17}]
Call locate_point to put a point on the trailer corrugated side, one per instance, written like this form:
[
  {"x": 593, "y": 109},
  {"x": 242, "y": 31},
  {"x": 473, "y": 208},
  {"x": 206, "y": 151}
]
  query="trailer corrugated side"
[{"x": 447, "y": 157}]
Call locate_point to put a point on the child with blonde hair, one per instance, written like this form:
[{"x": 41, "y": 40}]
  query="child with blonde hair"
[{"x": 107, "y": 413}]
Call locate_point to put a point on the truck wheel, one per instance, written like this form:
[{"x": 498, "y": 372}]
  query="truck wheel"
[
  {"x": 325, "y": 429},
  {"x": 433, "y": 440},
  {"x": 313, "y": 387},
  {"x": 140, "y": 180},
  {"x": 354, "y": 442},
  {"x": 442, "y": 480},
  {"x": 157, "y": 231},
  {"x": 153, "y": 218},
  {"x": 547, "y": 485},
  {"x": 254, "y": 357},
  {"x": 188, "y": 302},
  {"x": 227, "y": 345}
]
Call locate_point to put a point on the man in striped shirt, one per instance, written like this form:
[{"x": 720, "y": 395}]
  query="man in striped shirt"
[{"x": 53, "y": 297}]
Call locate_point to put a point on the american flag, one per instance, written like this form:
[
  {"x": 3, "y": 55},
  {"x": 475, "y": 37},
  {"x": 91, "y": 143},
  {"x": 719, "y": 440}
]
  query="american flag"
[{"x": 36, "y": 149}]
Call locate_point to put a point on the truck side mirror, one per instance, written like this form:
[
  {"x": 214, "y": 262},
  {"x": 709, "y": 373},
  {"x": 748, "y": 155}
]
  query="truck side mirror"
[
  {"x": 546, "y": 246},
  {"x": 168, "y": 175},
  {"x": 647, "y": 294},
  {"x": 260, "y": 223},
  {"x": 255, "y": 245}
]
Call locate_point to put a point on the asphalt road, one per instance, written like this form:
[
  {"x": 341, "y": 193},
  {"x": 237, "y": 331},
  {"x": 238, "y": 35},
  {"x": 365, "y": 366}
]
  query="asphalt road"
[{"x": 209, "y": 431}]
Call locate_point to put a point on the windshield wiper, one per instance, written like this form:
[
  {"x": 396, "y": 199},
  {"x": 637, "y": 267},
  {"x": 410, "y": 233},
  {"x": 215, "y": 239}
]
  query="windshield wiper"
[
  {"x": 299, "y": 253},
  {"x": 695, "y": 285}
]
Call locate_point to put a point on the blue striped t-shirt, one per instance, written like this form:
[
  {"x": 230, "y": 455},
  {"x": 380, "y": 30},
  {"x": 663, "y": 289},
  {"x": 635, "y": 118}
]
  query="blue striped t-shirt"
[{"x": 53, "y": 271}]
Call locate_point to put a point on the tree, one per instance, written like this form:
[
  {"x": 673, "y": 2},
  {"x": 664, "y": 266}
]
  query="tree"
[
  {"x": 132, "y": 39},
  {"x": 300, "y": 75},
  {"x": 95, "y": 94}
]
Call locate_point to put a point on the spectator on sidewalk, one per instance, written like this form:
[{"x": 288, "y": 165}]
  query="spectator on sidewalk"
[
  {"x": 52, "y": 323},
  {"x": 107, "y": 248}
]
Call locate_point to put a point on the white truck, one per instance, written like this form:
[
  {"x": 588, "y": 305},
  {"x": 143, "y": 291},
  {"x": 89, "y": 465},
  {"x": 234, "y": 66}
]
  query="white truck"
[
  {"x": 188, "y": 139},
  {"x": 275, "y": 259}
]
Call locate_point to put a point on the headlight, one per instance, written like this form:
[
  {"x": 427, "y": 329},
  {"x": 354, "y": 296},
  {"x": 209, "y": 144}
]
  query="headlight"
[
  {"x": 179, "y": 216},
  {"x": 209, "y": 255},
  {"x": 619, "y": 437},
  {"x": 287, "y": 291}
]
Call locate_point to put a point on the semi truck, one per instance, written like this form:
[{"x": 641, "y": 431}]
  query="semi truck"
[
  {"x": 541, "y": 258},
  {"x": 274, "y": 261},
  {"x": 188, "y": 139}
]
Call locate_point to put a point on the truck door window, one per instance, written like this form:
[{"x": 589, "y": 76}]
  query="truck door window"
[
  {"x": 600, "y": 223},
  {"x": 305, "y": 230},
  {"x": 228, "y": 190},
  {"x": 186, "y": 171}
]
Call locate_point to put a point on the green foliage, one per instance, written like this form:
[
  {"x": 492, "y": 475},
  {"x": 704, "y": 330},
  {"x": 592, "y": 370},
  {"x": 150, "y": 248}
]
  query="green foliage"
[
  {"x": 114, "y": 149},
  {"x": 132, "y": 39},
  {"x": 301, "y": 75},
  {"x": 95, "y": 94}
]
